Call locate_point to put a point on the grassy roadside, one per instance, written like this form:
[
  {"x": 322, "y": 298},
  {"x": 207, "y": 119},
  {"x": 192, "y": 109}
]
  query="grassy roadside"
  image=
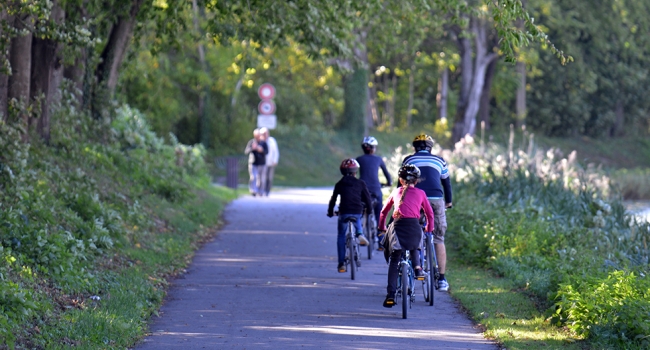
[
  {"x": 133, "y": 292},
  {"x": 90, "y": 232},
  {"x": 506, "y": 313}
]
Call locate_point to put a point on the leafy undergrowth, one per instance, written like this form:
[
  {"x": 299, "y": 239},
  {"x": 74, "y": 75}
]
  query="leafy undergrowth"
[
  {"x": 90, "y": 231},
  {"x": 557, "y": 232}
]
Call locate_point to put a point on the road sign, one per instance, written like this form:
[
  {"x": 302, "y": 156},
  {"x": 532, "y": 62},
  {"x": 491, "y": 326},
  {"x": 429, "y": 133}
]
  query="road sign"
[
  {"x": 266, "y": 107},
  {"x": 269, "y": 121},
  {"x": 266, "y": 91}
]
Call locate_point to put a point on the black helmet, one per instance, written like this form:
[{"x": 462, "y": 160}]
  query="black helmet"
[
  {"x": 349, "y": 166},
  {"x": 423, "y": 142},
  {"x": 409, "y": 172}
]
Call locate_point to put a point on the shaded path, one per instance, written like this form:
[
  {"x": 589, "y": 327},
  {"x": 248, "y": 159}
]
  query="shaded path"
[{"x": 269, "y": 281}]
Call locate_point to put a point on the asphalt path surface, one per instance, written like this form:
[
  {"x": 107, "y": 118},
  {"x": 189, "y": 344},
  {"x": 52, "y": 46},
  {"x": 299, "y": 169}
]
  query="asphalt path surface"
[{"x": 269, "y": 281}]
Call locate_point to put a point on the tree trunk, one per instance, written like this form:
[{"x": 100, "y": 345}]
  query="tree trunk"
[
  {"x": 4, "y": 67},
  {"x": 76, "y": 73},
  {"x": 118, "y": 41},
  {"x": 203, "y": 93},
  {"x": 443, "y": 92},
  {"x": 356, "y": 108},
  {"x": 617, "y": 128},
  {"x": 520, "y": 103},
  {"x": 356, "y": 91},
  {"x": 47, "y": 75},
  {"x": 393, "y": 99},
  {"x": 386, "y": 86},
  {"x": 374, "y": 114},
  {"x": 486, "y": 95},
  {"x": 482, "y": 60},
  {"x": 466, "y": 69},
  {"x": 370, "y": 112},
  {"x": 409, "y": 113},
  {"x": 20, "y": 58}
]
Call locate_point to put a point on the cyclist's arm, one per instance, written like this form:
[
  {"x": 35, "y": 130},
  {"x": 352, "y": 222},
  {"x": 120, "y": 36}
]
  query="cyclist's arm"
[
  {"x": 384, "y": 212},
  {"x": 332, "y": 203},
  {"x": 446, "y": 185},
  {"x": 428, "y": 212},
  {"x": 389, "y": 181}
]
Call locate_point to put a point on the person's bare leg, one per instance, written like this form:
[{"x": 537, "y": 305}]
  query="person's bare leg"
[{"x": 441, "y": 256}]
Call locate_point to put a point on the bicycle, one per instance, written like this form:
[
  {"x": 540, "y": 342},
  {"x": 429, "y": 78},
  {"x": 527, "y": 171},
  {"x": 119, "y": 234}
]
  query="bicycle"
[
  {"x": 369, "y": 224},
  {"x": 430, "y": 265},
  {"x": 351, "y": 246},
  {"x": 405, "y": 283}
]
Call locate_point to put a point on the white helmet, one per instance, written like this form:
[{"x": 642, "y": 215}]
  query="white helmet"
[{"x": 369, "y": 140}]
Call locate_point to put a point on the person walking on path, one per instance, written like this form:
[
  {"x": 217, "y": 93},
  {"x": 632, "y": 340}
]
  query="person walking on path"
[
  {"x": 272, "y": 159},
  {"x": 256, "y": 150},
  {"x": 437, "y": 186},
  {"x": 369, "y": 172}
]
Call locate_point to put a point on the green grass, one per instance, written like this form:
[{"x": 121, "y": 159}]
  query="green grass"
[
  {"x": 507, "y": 314},
  {"x": 133, "y": 292}
]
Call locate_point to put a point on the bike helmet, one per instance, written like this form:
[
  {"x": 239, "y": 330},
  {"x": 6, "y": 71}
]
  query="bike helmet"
[
  {"x": 409, "y": 172},
  {"x": 369, "y": 144},
  {"x": 423, "y": 142},
  {"x": 349, "y": 166}
]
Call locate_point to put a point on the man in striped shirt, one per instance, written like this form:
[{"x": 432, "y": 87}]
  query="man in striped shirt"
[{"x": 436, "y": 184}]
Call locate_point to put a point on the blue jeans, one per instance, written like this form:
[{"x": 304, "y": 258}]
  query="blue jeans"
[
  {"x": 343, "y": 227},
  {"x": 377, "y": 196}
]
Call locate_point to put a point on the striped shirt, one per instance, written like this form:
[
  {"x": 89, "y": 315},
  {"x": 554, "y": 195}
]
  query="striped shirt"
[{"x": 434, "y": 176}]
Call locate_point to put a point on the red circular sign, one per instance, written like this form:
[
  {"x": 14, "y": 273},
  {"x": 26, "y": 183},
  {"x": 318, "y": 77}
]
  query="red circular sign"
[
  {"x": 266, "y": 107},
  {"x": 266, "y": 91}
]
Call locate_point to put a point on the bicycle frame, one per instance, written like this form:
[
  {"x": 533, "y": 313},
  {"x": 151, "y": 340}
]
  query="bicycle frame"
[
  {"x": 407, "y": 294},
  {"x": 351, "y": 249}
]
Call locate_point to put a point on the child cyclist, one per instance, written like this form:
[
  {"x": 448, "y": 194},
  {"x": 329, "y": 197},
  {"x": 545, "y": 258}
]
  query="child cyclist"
[
  {"x": 409, "y": 201},
  {"x": 369, "y": 171},
  {"x": 354, "y": 195}
]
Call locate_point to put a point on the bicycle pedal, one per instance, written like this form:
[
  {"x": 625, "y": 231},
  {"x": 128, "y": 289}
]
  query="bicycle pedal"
[{"x": 420, "y": 278}]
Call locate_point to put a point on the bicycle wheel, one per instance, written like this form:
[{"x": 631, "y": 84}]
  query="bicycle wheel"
[
  {"x": 351, "y": 251},
  {"x": 431, "y": 266},
  {"x": 406, "y": 298},
  {"x": 369, "y": 232},
  {"x": 426, "y": 283}
]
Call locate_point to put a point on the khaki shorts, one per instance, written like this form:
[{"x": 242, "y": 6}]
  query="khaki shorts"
[{"x": 439, "y": 220}]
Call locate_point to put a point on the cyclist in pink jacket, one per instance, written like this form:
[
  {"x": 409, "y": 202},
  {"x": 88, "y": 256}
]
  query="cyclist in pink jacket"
[{"x": 406, "y": 231}]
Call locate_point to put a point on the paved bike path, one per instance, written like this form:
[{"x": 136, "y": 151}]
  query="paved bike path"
[{"x": 269, "y": 281}]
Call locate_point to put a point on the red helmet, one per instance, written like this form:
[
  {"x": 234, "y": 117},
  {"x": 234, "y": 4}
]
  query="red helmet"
[{"x": 349, "y": 166}]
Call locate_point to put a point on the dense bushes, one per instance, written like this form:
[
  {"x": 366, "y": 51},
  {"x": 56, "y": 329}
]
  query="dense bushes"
[
  {"x": 72, "y": 211},
  {"x": 559, "y": 232}
]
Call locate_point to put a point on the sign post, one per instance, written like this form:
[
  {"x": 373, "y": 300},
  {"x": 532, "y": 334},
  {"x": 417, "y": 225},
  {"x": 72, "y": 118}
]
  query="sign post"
[{"x": 266, "y": 107}]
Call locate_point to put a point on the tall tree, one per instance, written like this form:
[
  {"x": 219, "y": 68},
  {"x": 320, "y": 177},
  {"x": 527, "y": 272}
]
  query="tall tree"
[
  {"x": 47, "y": 73},
  {"x": 116, "y": 47},
  {"x": 20, "y": 58}
]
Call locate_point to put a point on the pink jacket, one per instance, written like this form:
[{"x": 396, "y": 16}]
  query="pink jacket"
[{"x": 414, "y": 200}]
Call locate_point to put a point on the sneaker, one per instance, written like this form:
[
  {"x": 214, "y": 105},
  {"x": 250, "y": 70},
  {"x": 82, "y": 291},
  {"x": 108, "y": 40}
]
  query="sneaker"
[
  {"x": 419, "y": 274},
  {"x": 380, "y": 236},
  {"x": 363, "y": 241},
  {"x": 443, "y": 286},
  {"x": 342, "y": 268},
  {"x": 390, "y": 300}
]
